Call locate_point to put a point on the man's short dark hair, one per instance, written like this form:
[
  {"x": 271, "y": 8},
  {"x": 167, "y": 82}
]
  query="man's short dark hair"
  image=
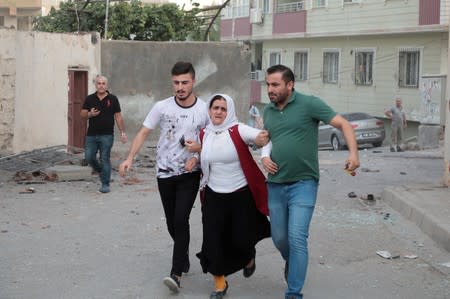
[
  {"x": 286, "y": 73},
  {"x": 182, "y": 67}
]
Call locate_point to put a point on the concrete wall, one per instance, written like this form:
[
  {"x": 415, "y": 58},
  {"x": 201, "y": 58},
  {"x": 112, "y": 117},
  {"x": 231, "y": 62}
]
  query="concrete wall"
[
  {"x": 34, "y": 80},
  {"x": 139, "y": 74},
  {"x": 7, "y": 88},
  {"x": 38, "y": 70}
]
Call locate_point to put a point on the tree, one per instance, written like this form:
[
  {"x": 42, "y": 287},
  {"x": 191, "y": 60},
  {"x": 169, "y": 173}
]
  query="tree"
[{"x": 126, "y": 20}]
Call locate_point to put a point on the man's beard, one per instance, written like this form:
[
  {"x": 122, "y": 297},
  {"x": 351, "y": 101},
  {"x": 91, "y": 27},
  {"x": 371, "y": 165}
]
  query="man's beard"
[
  {"x": 185, "y": 97},
  {"x": 279, "y": 98}
]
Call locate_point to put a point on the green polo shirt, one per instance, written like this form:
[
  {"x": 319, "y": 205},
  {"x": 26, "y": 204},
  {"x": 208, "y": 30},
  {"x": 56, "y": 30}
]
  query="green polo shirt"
[{"x": 294, "y": 132}]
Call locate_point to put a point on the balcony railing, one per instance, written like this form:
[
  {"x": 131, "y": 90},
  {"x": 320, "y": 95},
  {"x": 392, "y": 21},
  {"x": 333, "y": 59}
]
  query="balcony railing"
[{"x": 290, "y": 7}]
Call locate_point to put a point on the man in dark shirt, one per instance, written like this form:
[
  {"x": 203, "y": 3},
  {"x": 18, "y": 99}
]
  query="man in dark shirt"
[{"x": 102, "y": 109}]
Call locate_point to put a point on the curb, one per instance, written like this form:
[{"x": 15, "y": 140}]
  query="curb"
[{"x": 410, "y": 204}]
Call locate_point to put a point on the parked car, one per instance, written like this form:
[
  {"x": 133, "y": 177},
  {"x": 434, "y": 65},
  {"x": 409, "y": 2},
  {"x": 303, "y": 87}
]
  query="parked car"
[{"x": 368, "y": 130}]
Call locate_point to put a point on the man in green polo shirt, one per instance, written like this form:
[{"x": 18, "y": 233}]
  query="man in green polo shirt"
[{"x": 292, "y": 120}]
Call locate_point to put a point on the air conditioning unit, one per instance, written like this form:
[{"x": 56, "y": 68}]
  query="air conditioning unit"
[
  {"x": 256, "y": 16},
  {"x": 260, "y": 75}
]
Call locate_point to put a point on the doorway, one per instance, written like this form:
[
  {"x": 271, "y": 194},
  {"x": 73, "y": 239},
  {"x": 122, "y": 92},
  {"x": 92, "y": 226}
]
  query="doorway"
[{"x": 78, "y": 90}]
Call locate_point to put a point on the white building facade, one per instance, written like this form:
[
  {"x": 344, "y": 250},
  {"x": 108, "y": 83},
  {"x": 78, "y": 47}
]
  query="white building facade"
[{"x": 358, "y": 55}]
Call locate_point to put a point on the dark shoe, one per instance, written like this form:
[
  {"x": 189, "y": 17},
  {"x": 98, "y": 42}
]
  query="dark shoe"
[
  {"x": 248, "y": 271},
  {"x": 104, "y": 189},
  {"x": 392, "y": 149},
  {"x": 286, "y": 271},
  {"x": 219, "y": 294},
  {"x": 399, "y": 149},
  {"x": 186, "y": 266},
  {"x": 172, "y": 282}
]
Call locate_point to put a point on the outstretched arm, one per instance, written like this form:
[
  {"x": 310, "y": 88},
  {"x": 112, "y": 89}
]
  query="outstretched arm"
[{"x": 136, "y": 145}]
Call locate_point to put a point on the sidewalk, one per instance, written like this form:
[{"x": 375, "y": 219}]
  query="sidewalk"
[{"x": 426, "y": 206}]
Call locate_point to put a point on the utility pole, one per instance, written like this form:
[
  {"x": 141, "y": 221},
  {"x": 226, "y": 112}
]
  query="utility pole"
[{"x": 106, "y": 19}]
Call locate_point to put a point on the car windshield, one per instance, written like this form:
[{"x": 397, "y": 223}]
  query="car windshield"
[{"x": 356, "y": 116}]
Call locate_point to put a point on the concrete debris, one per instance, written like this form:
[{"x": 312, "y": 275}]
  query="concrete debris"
[
  {"x": 368, "y": 197},
  {"x": 410, "y": 256},
  {"x": 28, "y": 190},
  {"x": 132, "y": 181},
  {"x": 352, "y": 194},
  {"x": 369, "y": 170},
  {"x": 387, "y": 255}
]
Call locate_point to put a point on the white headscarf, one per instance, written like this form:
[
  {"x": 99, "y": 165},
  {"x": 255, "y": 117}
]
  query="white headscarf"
[{"x": 211, "y": 131}]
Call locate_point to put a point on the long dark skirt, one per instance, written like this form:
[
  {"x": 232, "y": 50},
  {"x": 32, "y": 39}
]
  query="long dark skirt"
[{"x": 231, "y": 228}]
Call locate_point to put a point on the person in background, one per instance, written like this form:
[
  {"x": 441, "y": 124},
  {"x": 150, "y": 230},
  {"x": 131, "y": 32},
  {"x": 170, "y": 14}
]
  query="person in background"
[
  {"x": 291, "y": 160},
  {"x": 234, "y": 205},
  {"x": 180, "y": 118},
  {"x": 254, "y": 119},
  {"x": 102, "y": 109},
  {"x": 398, "y": 123}
]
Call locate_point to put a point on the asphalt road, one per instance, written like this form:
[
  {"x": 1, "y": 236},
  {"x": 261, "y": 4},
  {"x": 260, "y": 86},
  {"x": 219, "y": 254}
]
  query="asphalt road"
[{"x": 67, "y": 241}]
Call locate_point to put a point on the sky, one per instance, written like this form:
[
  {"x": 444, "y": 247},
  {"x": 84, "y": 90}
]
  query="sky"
[{"x": 202, "y": 2}]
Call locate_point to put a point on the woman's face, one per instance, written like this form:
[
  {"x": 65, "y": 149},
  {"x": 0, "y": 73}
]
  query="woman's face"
[{"x": 218, "y": 111}]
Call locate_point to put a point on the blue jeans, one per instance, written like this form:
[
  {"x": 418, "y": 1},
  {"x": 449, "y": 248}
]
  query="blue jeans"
[
  {"x": 102, "y": 144},
  {"x": 291, "y": 208}
]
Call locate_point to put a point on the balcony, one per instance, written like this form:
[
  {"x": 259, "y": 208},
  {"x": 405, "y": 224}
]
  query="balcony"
[
  {"x": 289, "y": 18},
  {"x": 290, "y": 7}
]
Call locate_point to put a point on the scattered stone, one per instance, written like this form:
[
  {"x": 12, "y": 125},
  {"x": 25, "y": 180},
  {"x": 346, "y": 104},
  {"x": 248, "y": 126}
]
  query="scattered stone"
[
  {"x": 28, "y": 190},
  {"x": 368, "y": 197},
  {"x": 131, "y": 181},
  {"x": 384, "y": 254},
  {"x": 352, "y": 194},
  {"x": 369, "y": 170},
  {"x": 410, "y": 256},
  {"x": 387, "y": 255}
]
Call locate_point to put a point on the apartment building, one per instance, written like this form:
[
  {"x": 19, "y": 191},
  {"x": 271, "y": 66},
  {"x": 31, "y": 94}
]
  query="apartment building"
[
  {"x": 358, "y": 55},
  {"x": 19, "y": 13}
]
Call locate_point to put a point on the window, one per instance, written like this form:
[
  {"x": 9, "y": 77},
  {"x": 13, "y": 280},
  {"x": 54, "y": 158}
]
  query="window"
[
  {"x": 2, "y": 21},
  {"x": 363, "y": 67},
  {"x": 351, "y": 1},
  {"x": 301, "y": 65},
  {"x": 330, "y": 66},
  {"x": 266, "y": 6},
  {"x": 319, "y": 3},
  {"x": 238, "y": 9},
  {"x": 408, "y": 68},
  {"x": 274, "y": 58}
]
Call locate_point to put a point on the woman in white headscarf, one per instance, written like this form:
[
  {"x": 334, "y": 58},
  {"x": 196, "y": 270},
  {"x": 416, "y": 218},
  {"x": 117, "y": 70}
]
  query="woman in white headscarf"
[{"x": 234, "y": 195}]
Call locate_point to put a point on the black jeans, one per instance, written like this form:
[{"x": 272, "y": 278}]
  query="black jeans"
[{"x": 178, "y": 194}]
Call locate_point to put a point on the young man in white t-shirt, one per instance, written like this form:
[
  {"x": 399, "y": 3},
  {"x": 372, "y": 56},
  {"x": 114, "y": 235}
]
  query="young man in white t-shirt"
[{"x": 180, "y": 119}]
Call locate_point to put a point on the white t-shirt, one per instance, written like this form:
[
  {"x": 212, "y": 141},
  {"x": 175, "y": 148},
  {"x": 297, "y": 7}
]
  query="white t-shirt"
[
  {"x": 225, "y": 171},
  {"x": 175, "y": 122}
]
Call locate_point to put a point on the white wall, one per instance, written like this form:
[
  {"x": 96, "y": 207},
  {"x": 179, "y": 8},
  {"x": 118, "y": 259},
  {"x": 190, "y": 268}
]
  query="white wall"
[
  {"x": 41, "y": 100},
  {"x": 374, "y": 99}
]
